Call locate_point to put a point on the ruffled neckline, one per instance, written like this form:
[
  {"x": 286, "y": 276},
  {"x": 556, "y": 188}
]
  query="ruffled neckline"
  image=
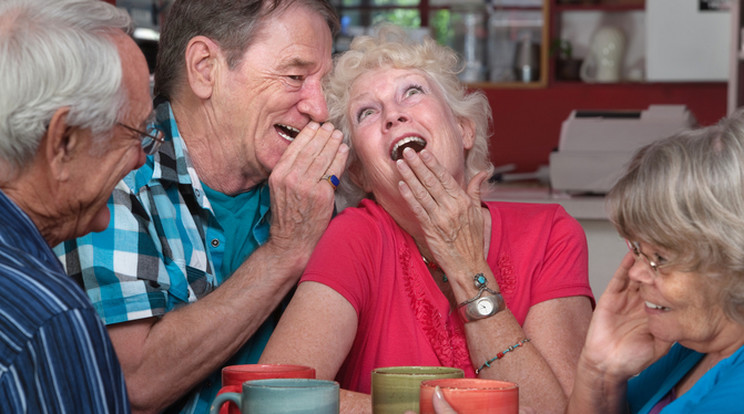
[{"x": 445, "y": 332}]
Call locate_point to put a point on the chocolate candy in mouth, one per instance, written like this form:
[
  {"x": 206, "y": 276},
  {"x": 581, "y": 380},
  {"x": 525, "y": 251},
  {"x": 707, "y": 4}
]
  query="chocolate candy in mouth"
[{"x": 416, "y": 145}]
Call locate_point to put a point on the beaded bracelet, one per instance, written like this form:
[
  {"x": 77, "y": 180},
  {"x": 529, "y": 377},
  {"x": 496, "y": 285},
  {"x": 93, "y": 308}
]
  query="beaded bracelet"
[{"x": 500, "y": 355}]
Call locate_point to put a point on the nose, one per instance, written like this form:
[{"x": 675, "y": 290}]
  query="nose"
[
  {"x": 141, "y": 160},
  {"x": 313, "y": 103},
  {"x": 141, "y": 157},
  {"x": 641, "y": 272},
  {"x": 394, "y": 118}
]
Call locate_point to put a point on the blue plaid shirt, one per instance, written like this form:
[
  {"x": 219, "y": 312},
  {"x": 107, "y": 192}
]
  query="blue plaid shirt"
[{"x": 163, "y": 248}]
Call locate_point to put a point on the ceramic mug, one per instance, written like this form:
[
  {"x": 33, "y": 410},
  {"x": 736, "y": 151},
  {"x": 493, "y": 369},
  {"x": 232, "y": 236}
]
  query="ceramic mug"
[
  {"x": 233, "y": 377},
  {"x": 472, "y": 395},
  {"x": 283, "y": 395},
  {"x": 605, "y": 58},
  {"x": 396, "y": 389}
]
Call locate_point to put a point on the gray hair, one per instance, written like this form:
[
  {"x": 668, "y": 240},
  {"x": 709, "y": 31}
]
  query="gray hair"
[
  {"x": 685, "y": 194},
  {"x": 391, "y": 47},
  {"x": 56, "y": 53},
  {"x": 232, "y": 24}
]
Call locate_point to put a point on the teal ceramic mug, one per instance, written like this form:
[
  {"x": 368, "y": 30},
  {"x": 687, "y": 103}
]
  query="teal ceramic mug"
[{"x": 283, "y": 395}]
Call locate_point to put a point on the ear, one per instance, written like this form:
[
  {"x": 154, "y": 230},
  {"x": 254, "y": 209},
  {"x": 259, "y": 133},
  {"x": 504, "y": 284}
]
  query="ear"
[
  {"x": 60, "y": 144},
  {"x": 202, "y": 60},
  {"x": 467, "y": 129}
]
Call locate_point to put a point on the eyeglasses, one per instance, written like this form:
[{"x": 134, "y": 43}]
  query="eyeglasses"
[
  {"x": 151, "y": 139},
  {"x": 635, "y": 248}
]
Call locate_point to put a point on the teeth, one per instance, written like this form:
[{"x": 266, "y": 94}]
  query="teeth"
[
  {"x": 655, "y": 306},
  {"x": 397, "y": 151},
  {"x": 288, "y": 128}
]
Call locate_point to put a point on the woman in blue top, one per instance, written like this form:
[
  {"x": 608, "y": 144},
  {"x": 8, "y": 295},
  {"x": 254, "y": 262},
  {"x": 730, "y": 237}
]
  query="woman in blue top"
[{"x": 674, "y": 310}]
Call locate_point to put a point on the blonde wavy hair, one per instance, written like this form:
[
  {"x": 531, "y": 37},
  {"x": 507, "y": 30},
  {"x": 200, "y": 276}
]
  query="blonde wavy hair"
[
  {"x": 685, "y": 194},
  {"x": 392, "y": 47}
]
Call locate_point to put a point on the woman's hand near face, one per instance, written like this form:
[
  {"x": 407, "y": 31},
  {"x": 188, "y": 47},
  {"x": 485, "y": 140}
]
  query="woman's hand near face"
[
  {"x": 618, "y": 346},
  {"x": 454, "y": 223},
  {"x": 619, "y": 342},
  {"x": 451, "y": 217}
]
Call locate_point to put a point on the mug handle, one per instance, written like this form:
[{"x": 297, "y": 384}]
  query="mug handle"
[
  {"x": 585, "y": 68},
  {"x": 223, "y": 398},
  {"x": 227, "y": 409}
]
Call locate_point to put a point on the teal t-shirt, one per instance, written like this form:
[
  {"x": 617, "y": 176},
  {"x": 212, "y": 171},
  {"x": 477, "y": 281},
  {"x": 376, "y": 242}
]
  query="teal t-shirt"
[{"x": 245, "y": 220}]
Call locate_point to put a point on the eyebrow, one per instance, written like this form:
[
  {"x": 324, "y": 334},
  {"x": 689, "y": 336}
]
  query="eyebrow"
[
  {"x": 406, "y": 77},
  {"x": 296, "y": 63}
]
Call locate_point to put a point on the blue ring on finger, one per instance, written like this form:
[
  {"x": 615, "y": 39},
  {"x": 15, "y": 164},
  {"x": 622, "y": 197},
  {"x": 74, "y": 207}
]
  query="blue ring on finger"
[{"x": 332, "y": 180}]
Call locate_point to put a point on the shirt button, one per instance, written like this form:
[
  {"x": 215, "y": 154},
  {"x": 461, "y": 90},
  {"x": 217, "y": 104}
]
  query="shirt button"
[
  {"x": 215, "y": 243},
  {"x": 198, "y": 193}
]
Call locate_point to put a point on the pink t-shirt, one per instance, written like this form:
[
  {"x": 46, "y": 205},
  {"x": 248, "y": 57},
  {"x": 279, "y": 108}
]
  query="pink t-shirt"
[{"x": 537, "y": 252}]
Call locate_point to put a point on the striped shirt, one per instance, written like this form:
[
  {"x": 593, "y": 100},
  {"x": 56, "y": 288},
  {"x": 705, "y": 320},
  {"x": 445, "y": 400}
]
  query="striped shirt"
[{"x": 55, "y": 353}]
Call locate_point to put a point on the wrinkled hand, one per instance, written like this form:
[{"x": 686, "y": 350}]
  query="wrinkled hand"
[
  {"x": 449, "y": 215},
  {"x": 619, "y": 343},
  {"x": 301, "y": 201}
]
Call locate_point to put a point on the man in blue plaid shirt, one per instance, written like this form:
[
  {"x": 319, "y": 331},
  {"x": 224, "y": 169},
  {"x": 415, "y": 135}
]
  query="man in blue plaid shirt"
[{"x": 209, "y": 236}]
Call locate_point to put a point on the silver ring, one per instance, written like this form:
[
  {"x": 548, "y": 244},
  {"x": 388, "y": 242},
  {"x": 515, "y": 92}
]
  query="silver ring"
[{"x": 332, "y": 180}]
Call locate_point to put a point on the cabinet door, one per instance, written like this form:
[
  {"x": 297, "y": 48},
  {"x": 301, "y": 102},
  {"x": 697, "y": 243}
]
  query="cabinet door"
[
  {"x": 517, "y": 52},
  {"x": 490, "y": 37}
]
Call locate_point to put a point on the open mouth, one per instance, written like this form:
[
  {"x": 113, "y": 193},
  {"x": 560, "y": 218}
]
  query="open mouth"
[
  {"x": 413, "y": 142},
  {"x": 287, "y": 132},
  {"x": 655, "y": 306}
]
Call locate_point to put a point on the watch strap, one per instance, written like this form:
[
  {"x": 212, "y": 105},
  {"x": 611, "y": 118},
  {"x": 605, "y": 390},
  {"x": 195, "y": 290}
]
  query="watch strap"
[{"x": 470, "y": 311}]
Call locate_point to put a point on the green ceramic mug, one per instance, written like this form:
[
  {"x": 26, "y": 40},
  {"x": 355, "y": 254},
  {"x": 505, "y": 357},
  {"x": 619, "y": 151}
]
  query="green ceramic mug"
[
  {"x": 395, "y": 390},
  {"x": 283, "y": 395}
]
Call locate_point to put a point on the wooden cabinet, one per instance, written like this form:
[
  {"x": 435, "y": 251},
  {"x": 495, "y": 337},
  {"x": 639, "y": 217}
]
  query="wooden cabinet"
[
  {"x": 528, "y": 115},
  {"x": 487, "y": 35}
]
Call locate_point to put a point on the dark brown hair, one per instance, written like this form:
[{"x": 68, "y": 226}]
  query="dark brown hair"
[{"x": 232, "y": 24}]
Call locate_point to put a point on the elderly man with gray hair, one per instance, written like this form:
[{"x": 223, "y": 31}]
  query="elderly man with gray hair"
[{"x": 70, "y": 116}]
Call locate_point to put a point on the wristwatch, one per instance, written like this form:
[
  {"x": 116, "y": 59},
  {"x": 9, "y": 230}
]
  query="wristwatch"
[{"x": 482, "y": 307}]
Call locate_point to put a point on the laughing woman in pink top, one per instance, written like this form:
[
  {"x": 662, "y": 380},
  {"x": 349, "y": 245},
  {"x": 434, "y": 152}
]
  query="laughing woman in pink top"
[{"x": 422, "y": 271}]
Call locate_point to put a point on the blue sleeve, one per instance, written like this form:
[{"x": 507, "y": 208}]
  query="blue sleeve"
[{"x": 69, "y": 366}]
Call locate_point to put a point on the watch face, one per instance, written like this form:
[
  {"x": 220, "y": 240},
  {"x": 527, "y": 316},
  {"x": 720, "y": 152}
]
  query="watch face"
[{"x": 485, "y": 307}]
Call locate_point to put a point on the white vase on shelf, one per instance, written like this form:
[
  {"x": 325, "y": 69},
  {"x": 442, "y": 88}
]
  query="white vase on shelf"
[{"x": 605, "y": 59}]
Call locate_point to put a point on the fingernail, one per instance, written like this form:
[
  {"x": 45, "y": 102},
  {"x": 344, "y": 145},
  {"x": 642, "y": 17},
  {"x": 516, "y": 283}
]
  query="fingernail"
[
  {"x": 408, "y": 153},
  {"x": 425, "y": 155},
  {"x": 312, "y": 125},
  {"x": 328, "y": 126},
  {"x": 438, "y": 393}
]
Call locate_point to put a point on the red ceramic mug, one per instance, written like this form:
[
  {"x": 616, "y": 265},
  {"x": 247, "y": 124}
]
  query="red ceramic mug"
[
  {"x": 472, "y": 395},
  {"x": 233, "y": 377}
]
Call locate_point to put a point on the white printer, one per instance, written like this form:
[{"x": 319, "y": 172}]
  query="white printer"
[{"x": 595, "y": 146}]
